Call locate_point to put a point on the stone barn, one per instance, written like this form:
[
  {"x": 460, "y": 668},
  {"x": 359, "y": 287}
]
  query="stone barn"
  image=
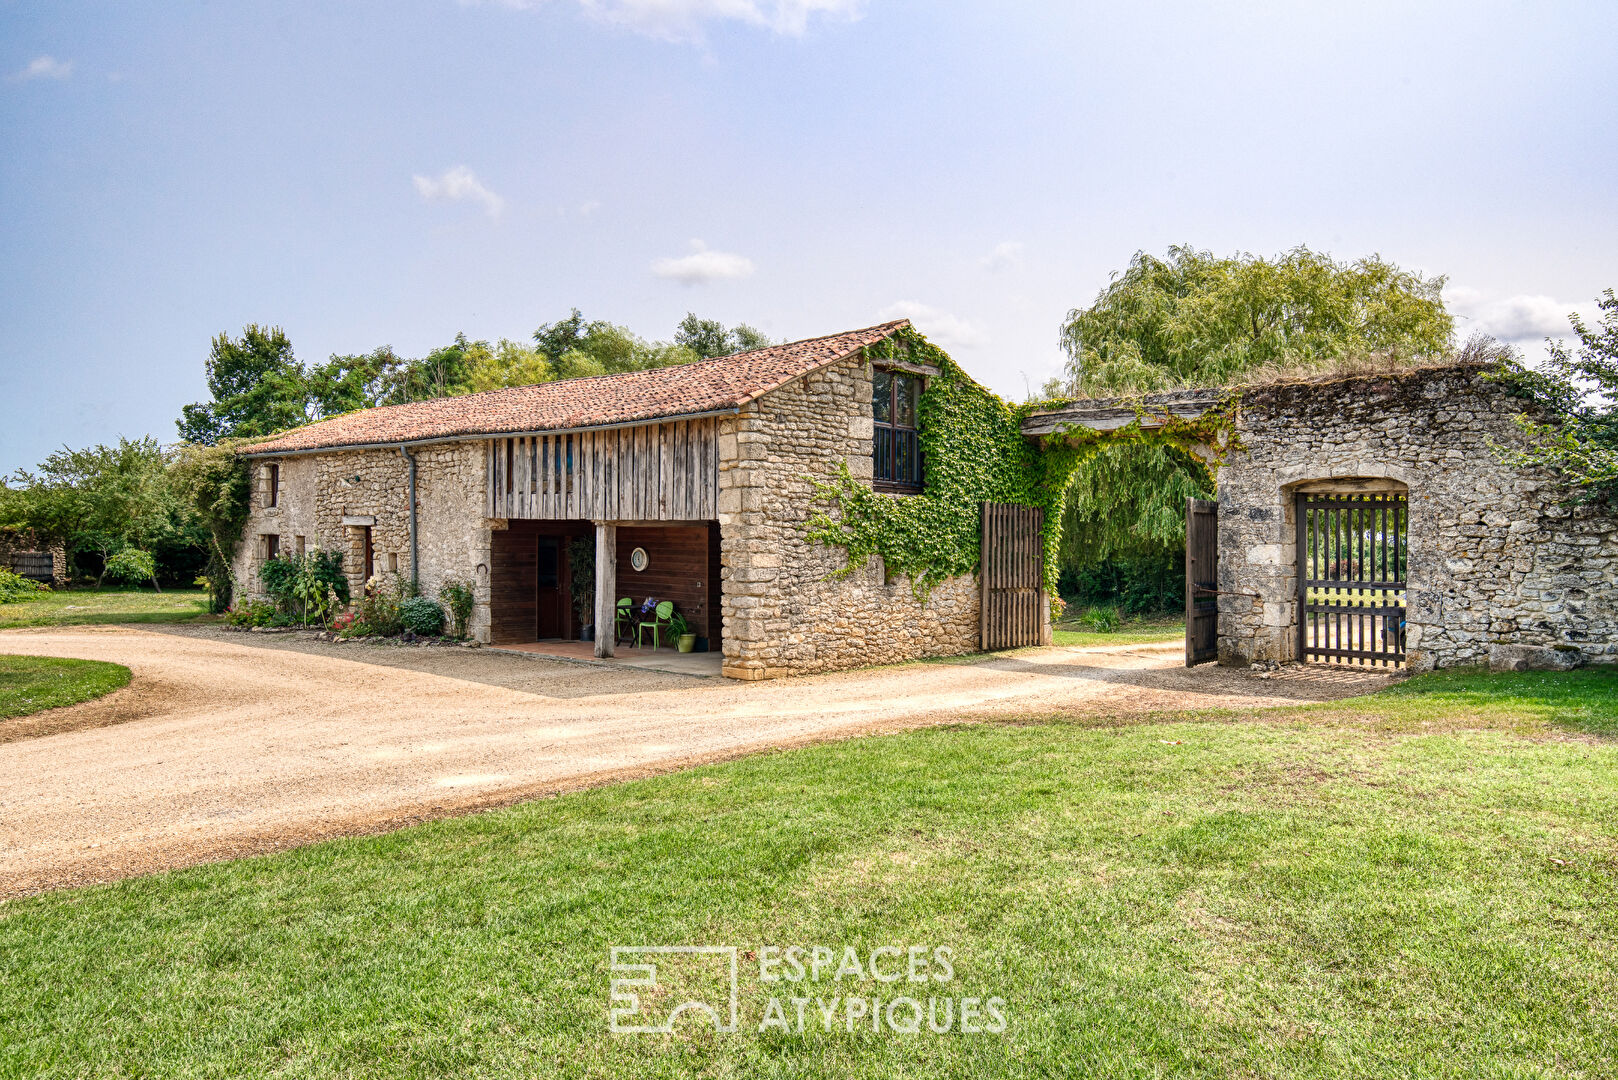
[
  {"x": 1370, "y": 520},
  {"x": 693, "y": 484}
]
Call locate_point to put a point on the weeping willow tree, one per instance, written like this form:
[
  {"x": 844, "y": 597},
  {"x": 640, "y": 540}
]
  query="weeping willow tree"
[{"x": 1194, "y": 319}]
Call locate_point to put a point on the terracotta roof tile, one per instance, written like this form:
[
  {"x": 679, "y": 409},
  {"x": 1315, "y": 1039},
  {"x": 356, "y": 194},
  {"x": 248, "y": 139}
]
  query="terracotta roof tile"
[{"x": 724, "y": 382}]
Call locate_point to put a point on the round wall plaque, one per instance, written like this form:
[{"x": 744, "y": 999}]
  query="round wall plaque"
[{"x": 637, "y": 559}]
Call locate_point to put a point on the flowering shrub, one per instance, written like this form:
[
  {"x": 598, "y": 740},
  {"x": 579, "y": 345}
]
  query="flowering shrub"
[
  {"x": 255, "y": 613},
  {"x": 458, "y": 598},
  {"x": 379, "y": 607}
]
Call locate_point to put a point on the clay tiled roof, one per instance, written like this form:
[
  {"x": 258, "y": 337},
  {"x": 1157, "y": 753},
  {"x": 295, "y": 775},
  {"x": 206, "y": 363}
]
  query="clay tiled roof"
[{"x": 705, "y": 386}]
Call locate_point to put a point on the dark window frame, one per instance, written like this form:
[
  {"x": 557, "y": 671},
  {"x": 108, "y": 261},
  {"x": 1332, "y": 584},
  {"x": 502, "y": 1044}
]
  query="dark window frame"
[
  {"x": 272, "y": 486},
  {"x": 897, "y": 465}
]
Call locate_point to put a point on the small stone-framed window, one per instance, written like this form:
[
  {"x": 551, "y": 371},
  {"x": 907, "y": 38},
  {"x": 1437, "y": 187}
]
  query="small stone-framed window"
[
  {"x": 272, "y": 485},
  {"x": 393, "y": 562},
  {"x": 895, "y": 442},
  {"x": 299, "y": 545},
  {"x": 269, "y": 545}
]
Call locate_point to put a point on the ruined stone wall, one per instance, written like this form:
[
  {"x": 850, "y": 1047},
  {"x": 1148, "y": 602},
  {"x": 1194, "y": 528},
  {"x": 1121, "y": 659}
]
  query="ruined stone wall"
[
  {"x": 15, "y": 546},
  {"x": 1497, "y": 561},
  {"x": 319, "y": 490},
  {"x": 783, "y": 614}
]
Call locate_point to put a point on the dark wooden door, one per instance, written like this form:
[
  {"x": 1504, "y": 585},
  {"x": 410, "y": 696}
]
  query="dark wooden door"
[
  {"x": 548, "y": 595},
  {"x": 1014, "y": 605},
  {"x": 1201, "y": 581}
]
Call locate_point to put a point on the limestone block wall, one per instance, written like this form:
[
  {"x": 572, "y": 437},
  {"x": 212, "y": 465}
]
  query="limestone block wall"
[
  {"x": 1495, "y": 556},
  {"x": 783, "y": 614},
  {"x": 319, "y": 490}
]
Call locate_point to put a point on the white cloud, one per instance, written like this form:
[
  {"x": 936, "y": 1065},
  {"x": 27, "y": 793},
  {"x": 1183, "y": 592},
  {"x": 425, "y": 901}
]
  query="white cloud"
[
  {"x": 1006, "y": 253},
  {"x": 940, "y": 327},
  {"x": 44, "y": 67},
  {"x": 458, "y": 185},
  {"x": 1524, "y": 317},
  {"x": 703, "y": 266},
  {"x": 682, "y": 20}
]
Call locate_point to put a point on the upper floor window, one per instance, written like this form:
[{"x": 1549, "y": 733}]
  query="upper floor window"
[
  {"x": 272, "y": 484},
  {"x": 895, "y": 449}
]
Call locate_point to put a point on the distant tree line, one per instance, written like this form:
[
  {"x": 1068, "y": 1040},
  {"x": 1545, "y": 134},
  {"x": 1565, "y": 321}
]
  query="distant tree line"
[
  {"x": 258, "y": 386},
  {"x": 139, "y": 510}
]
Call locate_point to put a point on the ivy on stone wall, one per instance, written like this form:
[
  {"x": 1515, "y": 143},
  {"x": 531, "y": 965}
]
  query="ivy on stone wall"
[{"x": 973, "y": 451}]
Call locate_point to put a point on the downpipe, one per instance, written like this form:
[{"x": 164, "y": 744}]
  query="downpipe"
[{"x": 415, "y": 560}]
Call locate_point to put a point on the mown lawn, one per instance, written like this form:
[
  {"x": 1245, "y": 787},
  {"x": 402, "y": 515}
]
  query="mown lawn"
[
  {"x": 78, "y": 607},
  {"x": 1420, "y": 884},
  {"x": 1134, "y": 630},
  {"x": 30, "y": 684}
]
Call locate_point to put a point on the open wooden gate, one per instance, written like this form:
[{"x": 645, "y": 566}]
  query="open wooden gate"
[
  {"x": 1015, "y": 611},
  {"x": 1201, "y": 581}
]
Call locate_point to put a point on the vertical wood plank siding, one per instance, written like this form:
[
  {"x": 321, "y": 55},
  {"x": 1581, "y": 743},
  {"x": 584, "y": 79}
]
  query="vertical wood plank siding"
[
  {"x": 655, "y": 472},
  {"x": 1013, "y": 605}
]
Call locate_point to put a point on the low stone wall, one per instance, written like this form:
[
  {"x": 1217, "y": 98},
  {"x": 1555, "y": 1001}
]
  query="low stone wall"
[
  {"x": 15, "y": 545},
  {"x": 1497, "y": 560},
  {"x": 783, "y": 612}
]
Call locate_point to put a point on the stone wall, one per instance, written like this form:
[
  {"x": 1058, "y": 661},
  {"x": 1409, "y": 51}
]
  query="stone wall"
[
  {"x": 14, "y": 545},
  {"x": 1497, "y": 560},
  {"x": 783, "y": 614},
  {"x": 318, "y": 490}
]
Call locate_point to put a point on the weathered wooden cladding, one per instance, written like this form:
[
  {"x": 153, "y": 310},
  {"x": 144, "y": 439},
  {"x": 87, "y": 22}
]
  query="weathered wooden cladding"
[
  {"x": 652, "y": 472},
  {"x": 1014, "y": 603}
]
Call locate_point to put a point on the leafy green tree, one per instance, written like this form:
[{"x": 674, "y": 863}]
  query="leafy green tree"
[
  {"x": 1194, "y": 319},
  {"x": 258, "y": 388},
  {"x": 1579, "y": 392},
  {"x": 103, "y": 499},
  {"x": 575, "y": 348},
  {"x": 507, "y": 363},
  {"x": 215, "y": 485},
  {"x": 347, "y": 383},
  {"x": 708, "y": 337},
  {"x": 444, "y": 372},
  {"x": 562, "y": 336}
]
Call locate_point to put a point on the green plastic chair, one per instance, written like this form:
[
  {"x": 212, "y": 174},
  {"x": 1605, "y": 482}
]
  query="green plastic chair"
[
  {"x": 623, "y": 623},
  {"x": 659, "y": 620}
]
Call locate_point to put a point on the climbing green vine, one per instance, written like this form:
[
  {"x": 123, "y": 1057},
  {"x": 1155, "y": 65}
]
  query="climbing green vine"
[{"x": 974, "y": 451}]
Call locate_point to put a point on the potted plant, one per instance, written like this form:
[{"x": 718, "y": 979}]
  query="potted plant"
[
  {"x": 581, "y": 557},
  {"x": 682, "y": 632}
]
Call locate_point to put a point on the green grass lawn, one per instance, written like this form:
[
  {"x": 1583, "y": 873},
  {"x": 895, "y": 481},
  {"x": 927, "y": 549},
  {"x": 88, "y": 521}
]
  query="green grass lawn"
[
  {"x": 1134, "y": 630},
  {"x": 30, "y": 684},
  {"x": 1421, "y": 884},
  {"x": 77, "y": 607}
]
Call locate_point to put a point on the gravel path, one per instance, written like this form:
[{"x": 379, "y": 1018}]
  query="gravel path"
[{"x": 228, "y": 744}]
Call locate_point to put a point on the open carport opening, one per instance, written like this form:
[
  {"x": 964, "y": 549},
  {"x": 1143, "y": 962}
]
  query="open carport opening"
[{"x": 542, "y": 583}]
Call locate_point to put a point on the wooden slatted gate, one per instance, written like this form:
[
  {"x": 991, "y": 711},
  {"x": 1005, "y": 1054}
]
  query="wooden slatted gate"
[
  {"x": 1352, "y": 560},
  {"x": 1015, "y": 611},
  {"x": 1201, "y": 581}
]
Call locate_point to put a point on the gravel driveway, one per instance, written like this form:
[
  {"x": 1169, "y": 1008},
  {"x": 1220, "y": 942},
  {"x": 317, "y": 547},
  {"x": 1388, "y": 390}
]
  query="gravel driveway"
[{"x": 228, "y": 744}]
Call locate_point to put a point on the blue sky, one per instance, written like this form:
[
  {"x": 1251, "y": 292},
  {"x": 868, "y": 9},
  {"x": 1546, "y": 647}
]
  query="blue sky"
[{"x": 395, "y": 172}]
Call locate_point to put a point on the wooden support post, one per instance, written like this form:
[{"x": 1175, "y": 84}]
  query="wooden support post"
[{"x": 606, "y": 588}]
